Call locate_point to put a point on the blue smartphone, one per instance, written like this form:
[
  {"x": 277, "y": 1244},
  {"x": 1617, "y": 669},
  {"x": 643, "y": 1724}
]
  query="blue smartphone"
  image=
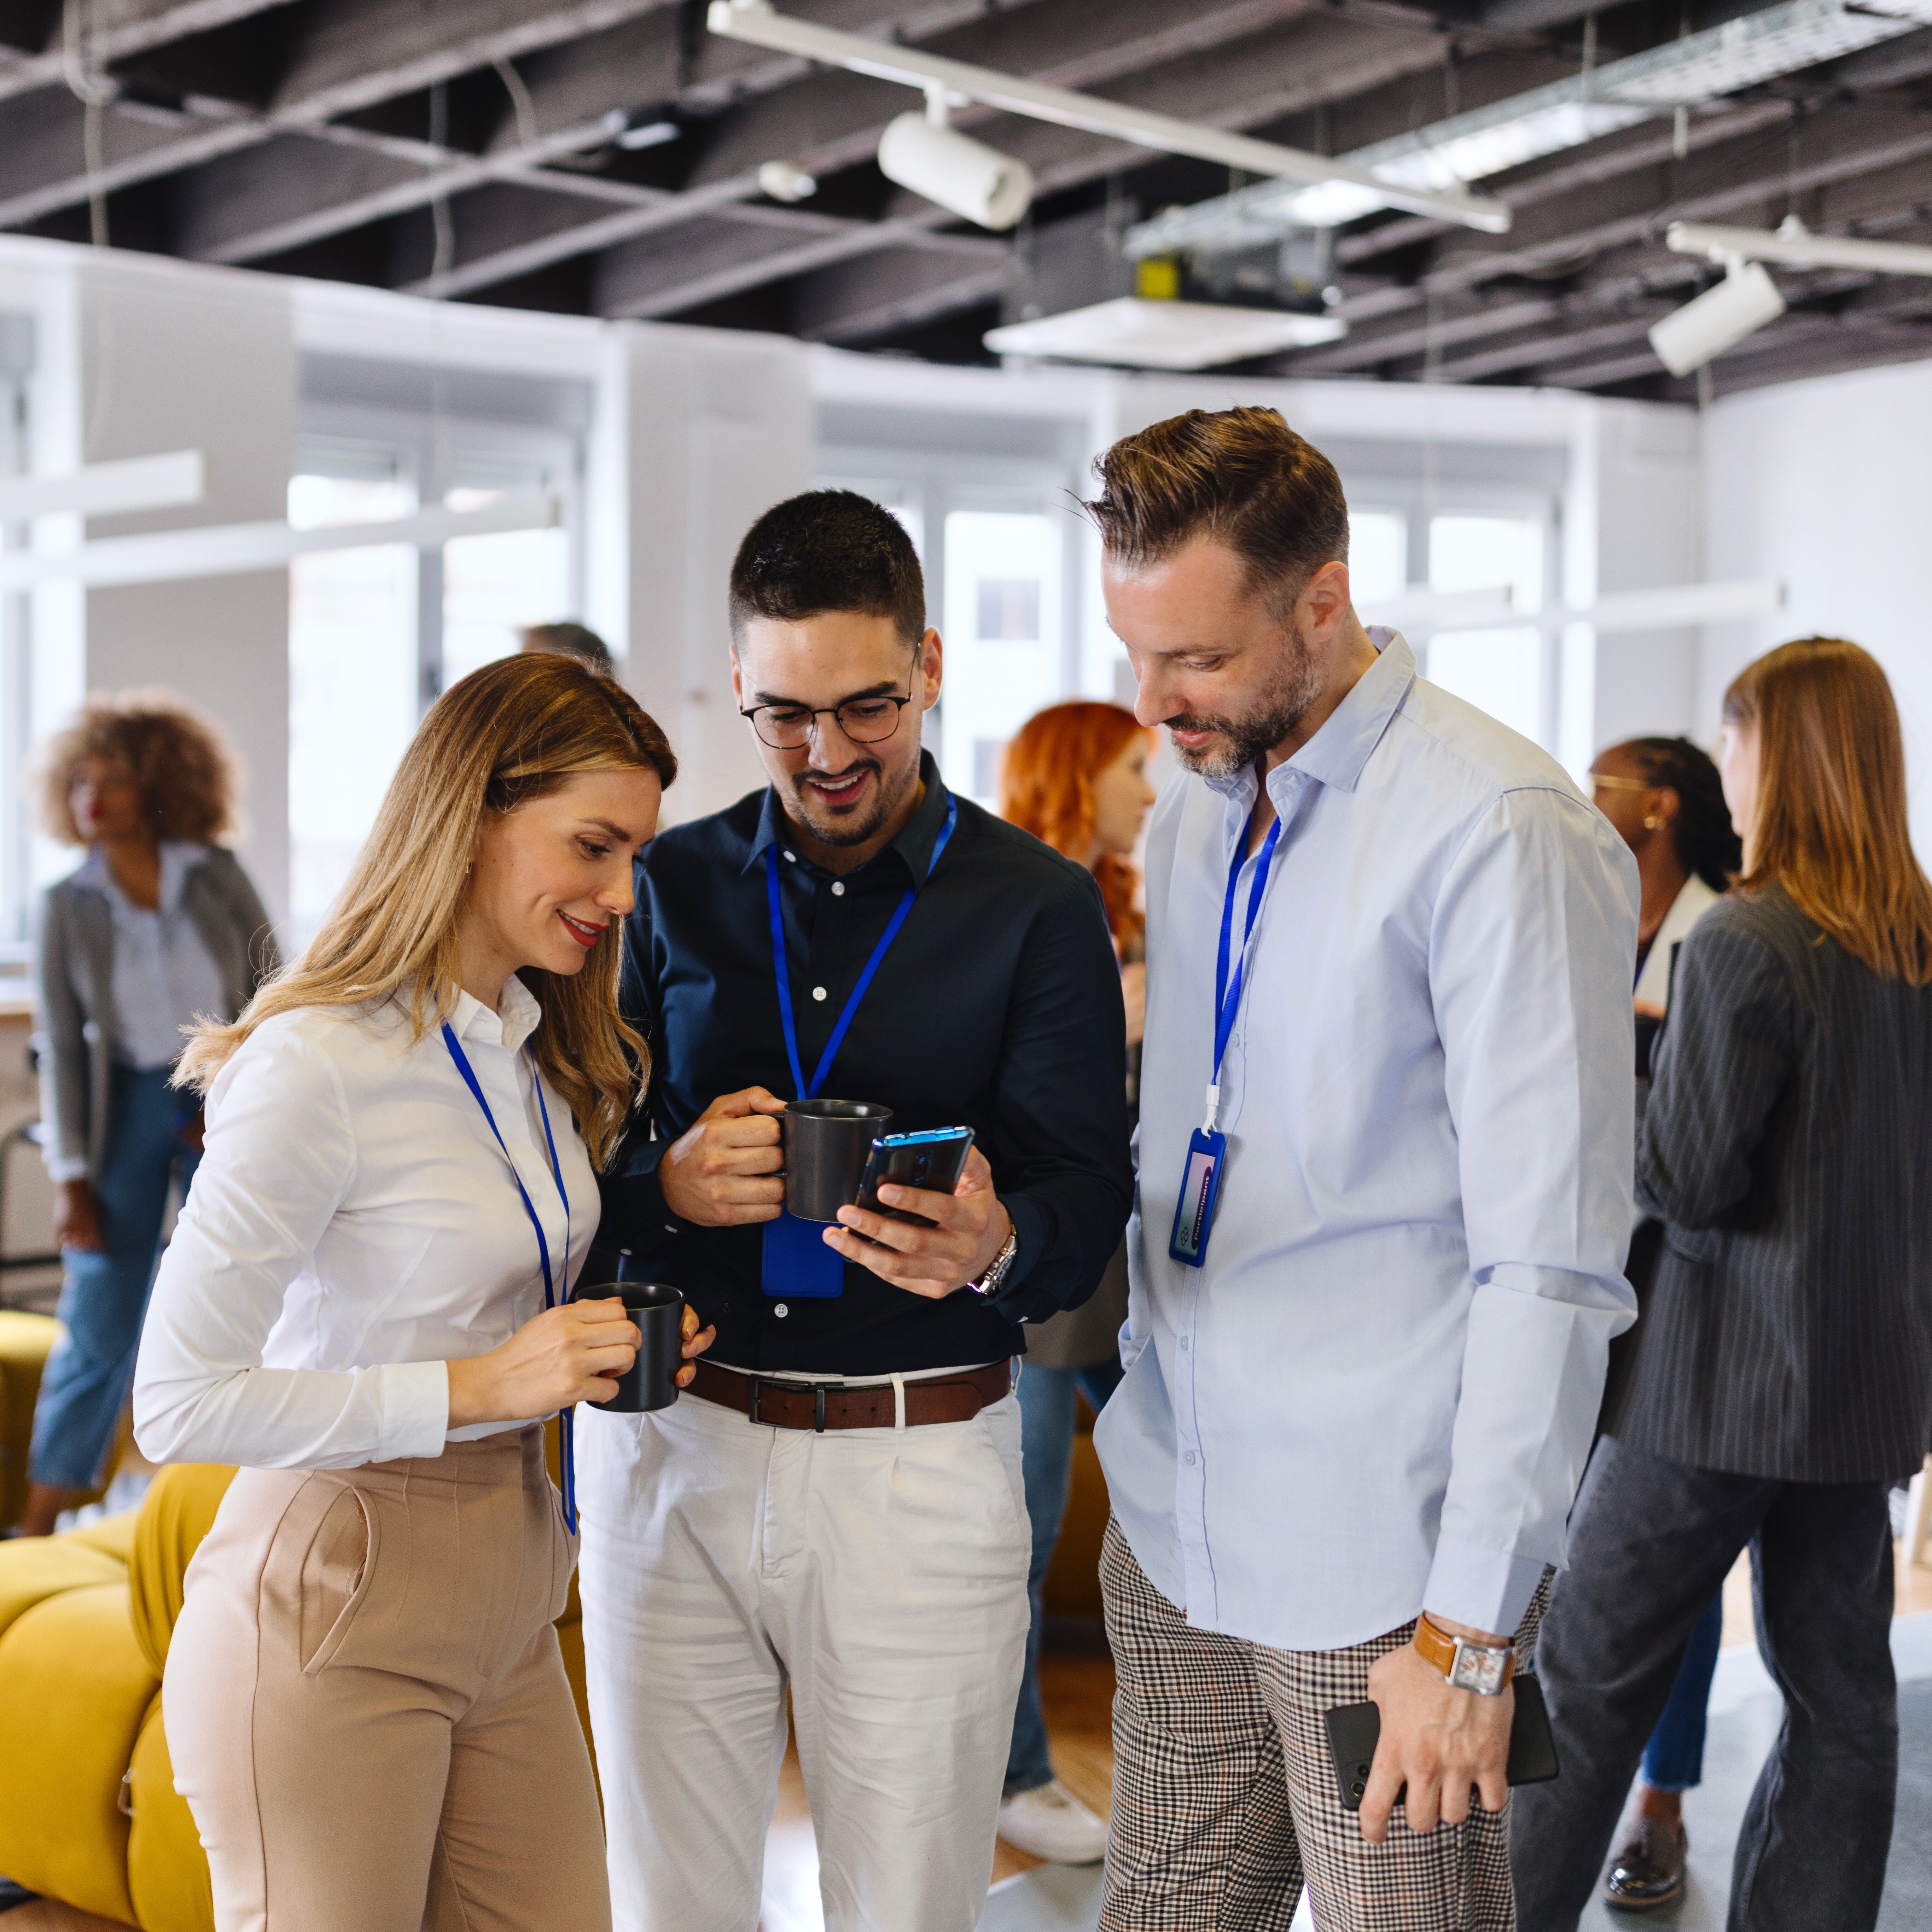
[{"x": 933, "y": 1160}]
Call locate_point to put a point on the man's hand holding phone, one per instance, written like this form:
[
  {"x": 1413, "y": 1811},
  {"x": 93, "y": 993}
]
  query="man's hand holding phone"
[
  {"x": 970, "y": 1227},
  {"x": 726, "y": 1170},
  {"x": 1442, "y": 1743}
]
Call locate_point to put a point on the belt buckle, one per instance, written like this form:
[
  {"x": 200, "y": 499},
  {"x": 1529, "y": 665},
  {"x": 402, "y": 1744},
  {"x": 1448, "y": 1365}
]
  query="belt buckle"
[{"x": 817, "y": 1391}]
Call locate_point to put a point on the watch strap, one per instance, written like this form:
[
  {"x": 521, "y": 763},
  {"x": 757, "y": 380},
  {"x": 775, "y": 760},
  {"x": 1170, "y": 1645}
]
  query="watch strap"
[
  {"x": 1485, "y": 1669},
  {"x": 988, "y": 1283}
]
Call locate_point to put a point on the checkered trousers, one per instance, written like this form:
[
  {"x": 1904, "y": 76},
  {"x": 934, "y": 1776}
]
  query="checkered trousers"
[{"x": 1224, "y": 1798}]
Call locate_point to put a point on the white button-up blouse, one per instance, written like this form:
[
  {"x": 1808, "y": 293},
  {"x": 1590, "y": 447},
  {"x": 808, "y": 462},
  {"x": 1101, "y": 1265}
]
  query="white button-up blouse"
[{"x": 352, "y": 1227}]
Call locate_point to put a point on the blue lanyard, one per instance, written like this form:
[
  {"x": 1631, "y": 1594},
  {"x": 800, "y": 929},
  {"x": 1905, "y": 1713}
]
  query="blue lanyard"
[
  {"x": 1227, "y": 993},
  {"x": 551, "y": 1296},
  {"x": 779, "y": 961}
]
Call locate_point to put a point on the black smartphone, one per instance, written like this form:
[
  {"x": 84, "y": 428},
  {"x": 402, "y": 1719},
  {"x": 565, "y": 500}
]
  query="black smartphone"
[
  {"x": 933, "y": 1160},
  {"x": 1353, "y": 1730}
]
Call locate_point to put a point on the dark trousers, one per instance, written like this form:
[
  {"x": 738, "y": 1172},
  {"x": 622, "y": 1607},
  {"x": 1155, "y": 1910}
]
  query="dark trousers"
[{"x": 1651, "y": 1541}]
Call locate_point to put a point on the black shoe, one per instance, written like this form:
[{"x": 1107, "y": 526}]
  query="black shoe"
[{"x": 1648, "y": 1871}]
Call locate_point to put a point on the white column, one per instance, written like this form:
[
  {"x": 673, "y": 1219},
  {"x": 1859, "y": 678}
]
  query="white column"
[{"x": 702, "y": 432}]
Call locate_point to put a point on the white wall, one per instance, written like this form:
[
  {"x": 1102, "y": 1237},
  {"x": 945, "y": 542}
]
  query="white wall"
[
  {"x": 157, "y": 351},
  {"x": 716, "y": 428},
  {"x": 1647, "y": 477},
  {"x": 1828, "y": 484}
]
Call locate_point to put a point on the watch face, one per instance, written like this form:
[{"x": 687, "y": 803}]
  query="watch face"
[{"x": 1479, "y": 1669}]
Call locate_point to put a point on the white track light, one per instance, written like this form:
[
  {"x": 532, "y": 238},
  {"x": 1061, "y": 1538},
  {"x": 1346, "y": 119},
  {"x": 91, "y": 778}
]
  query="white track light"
[
  {"x": 1746, "y": 299},
  {"x": 963, "y": 175}
]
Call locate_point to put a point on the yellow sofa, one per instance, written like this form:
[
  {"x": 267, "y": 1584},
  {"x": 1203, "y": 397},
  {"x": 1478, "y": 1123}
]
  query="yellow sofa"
[
  {"x": 88, "y": 1812},
  {"x": 26, "y": 1340}
]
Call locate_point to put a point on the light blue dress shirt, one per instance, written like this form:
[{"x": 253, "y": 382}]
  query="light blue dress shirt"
[
  {"x": 1378, "y": 1395},
  {"x": 164, "y": 975}
]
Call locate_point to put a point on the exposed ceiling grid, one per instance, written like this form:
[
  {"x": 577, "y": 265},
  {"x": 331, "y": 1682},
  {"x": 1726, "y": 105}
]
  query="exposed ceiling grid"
[{"x": 330, "y": 137}]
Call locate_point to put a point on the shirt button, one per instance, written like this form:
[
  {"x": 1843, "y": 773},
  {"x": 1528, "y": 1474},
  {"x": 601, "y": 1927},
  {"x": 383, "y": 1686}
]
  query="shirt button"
[
  {"x": 1183, "y": 1341},
  {"x": 792, "y": 858},
  {"x": 818, "y": 992},
  {"x": 1188, "y": 1458},
  {"x": 781, "y": 1310},
  {"x": 838, "y": 889}
]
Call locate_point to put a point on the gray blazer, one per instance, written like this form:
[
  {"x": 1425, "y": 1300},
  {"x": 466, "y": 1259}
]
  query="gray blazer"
[
  {"x": 75, "y": 997},
  {"x": 1786, "y": 1148}
]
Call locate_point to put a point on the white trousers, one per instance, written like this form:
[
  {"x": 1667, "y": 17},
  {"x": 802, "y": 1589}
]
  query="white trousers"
[{"x": 882, "y": 1574}]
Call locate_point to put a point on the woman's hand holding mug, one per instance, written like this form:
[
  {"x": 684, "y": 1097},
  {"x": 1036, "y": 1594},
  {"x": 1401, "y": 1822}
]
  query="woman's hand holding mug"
[{"x": 565, "y": 1354}]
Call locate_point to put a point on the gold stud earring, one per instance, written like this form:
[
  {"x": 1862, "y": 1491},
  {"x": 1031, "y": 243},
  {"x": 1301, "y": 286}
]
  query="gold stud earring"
[{"x": 1650, "y": 824}]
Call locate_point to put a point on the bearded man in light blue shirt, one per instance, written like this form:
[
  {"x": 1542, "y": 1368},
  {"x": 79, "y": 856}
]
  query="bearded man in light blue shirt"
[{"x": 1384, "y": 1192}]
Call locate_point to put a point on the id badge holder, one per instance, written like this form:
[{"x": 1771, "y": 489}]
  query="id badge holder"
[
  {"x": 1200, "y": 1182},
  {"x": 798, "y": 1265}
]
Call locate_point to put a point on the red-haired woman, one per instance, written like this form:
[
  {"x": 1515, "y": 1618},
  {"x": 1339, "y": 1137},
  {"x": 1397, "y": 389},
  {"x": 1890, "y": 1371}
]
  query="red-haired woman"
[{"x": 1076, "y": 777}]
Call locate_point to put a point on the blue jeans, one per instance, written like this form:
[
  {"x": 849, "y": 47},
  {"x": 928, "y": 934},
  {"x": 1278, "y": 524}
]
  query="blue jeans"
[
  {"x": 1673, "y": 1760},
  {"x": 106, "y": 1294},
  {"x": 1046, "y": 1461}
]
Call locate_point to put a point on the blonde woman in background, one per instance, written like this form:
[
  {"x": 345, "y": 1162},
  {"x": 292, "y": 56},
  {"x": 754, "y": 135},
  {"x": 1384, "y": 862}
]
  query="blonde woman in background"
[
  {"x": 365, "y": 1306},
  {"x": 157, "y": 927},
  {"x": 1076, "y": 776}
]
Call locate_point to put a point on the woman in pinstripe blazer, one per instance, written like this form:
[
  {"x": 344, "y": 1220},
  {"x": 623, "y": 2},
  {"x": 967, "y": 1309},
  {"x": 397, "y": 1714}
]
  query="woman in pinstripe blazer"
[{"x": 1783, "y": 1369}]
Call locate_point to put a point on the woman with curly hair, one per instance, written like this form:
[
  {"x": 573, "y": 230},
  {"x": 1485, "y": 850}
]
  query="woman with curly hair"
[
  {"x": 1074, "y": 776},
  {"x": 158, "y": 927}
]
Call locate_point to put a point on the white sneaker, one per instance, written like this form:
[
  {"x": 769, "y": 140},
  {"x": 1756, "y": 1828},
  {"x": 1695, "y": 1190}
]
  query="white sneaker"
[{"x": 1049, "y": 1822}]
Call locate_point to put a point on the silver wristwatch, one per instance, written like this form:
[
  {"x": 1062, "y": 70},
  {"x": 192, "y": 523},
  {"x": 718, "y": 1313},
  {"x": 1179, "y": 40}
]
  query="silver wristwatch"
[{"x": 989, "y": 1282}]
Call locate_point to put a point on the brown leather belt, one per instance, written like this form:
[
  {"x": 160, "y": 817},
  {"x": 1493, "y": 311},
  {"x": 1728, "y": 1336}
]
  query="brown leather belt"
[{"x": 824, "y": 1405}]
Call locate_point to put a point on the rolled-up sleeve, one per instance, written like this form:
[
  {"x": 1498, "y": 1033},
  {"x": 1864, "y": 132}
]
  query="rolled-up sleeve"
[
  {"x": 279, "y": 1160},
  {"x": 1531, "y": 942}
]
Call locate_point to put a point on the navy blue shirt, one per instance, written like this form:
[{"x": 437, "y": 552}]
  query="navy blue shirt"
[{"x": 998, "y": 1007}]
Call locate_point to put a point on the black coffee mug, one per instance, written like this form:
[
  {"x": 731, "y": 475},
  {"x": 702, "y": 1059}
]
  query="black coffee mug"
[
  {"x": 826, "y": 1144},
  {"x": 651, "y": 1381}
]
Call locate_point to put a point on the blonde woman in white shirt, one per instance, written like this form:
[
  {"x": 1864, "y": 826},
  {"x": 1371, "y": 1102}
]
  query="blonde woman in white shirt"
[{"x": 365, "y": 1306}]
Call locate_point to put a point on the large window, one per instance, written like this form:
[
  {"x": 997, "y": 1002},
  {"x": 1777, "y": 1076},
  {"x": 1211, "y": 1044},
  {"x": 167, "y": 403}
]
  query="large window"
[
  {"x": 1003, "y": 659},
  {"x": 1499, "y": 671},
  {"x": 376, "y": 635},
  {"x": 996, "y": 543}
]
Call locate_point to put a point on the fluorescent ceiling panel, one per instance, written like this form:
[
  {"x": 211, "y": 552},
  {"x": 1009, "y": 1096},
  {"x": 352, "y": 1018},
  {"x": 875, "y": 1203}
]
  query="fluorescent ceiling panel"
[
  {"x": 1162, "y": 335},
  {"x": 165, "y": 482},
  {"x": 232, "y": 550},
  {"x": 1669, "y": 608},
  {"x": 1547, "y": 121}
]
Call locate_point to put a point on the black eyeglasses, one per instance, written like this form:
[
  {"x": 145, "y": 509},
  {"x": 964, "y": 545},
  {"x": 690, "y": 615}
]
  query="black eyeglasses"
[{"x": 864, "y": 720}]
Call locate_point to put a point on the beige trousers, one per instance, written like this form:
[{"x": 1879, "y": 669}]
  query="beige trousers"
[{"x": 367, "y": 1708}]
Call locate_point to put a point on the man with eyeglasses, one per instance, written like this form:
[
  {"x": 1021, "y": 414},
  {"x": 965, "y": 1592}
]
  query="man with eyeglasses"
[{"x": 835, "y": 1506}]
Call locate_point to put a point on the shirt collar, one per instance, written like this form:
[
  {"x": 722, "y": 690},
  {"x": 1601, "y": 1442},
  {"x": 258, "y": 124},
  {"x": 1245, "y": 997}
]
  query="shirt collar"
[
  {"x": 509, "y": 1028},
  {"x": 179, "y": 857},
  {"x": 1337, "y": 754},
  {"x": 914, "y": 842}
]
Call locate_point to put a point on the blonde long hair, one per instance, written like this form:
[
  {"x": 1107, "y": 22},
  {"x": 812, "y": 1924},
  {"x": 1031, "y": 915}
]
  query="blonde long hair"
[
  {"x": 500, "y": 737},
  {"x": 1830, "y": 825}
]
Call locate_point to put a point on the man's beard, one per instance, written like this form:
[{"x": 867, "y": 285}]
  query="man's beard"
[
  {"x": 1280, "y": 705},
  {"x": 853, "y": 828}
]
